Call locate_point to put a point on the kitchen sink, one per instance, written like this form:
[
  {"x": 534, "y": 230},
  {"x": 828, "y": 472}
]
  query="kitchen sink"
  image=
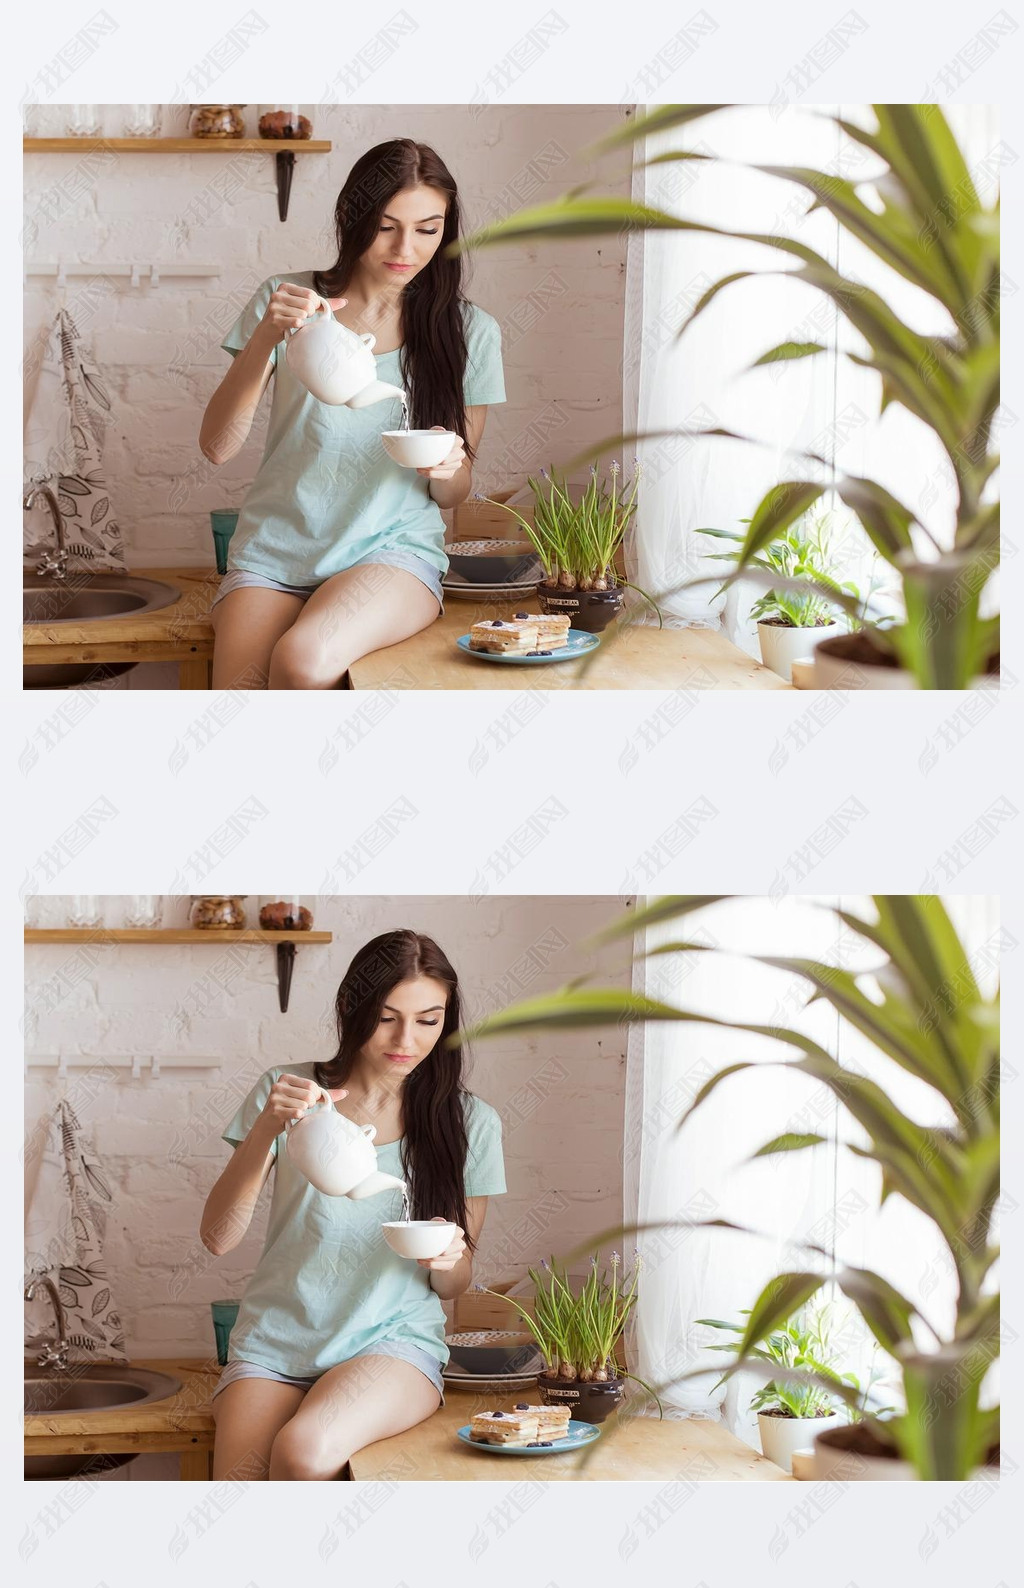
[
  {"x": 86, "y": 600},
  {"x": 92, "y": 1387}
]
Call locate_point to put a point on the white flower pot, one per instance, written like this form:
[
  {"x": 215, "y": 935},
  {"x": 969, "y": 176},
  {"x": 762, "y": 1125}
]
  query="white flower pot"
[
  {"x": 781, "y": 647},
  {"x": 837, "y": 672},
  {"x": 780, "y": 1436}
]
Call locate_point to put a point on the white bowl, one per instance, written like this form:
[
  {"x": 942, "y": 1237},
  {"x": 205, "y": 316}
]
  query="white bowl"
[
  {"x": 419, "y": 1238},
  {"x": 418, "y": 449}
]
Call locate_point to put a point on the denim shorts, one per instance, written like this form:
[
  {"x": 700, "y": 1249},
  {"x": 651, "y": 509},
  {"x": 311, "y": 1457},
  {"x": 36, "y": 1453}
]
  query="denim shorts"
[
  {"x": 424, "y": 571},
  {"x": 401, "y": 1349}
]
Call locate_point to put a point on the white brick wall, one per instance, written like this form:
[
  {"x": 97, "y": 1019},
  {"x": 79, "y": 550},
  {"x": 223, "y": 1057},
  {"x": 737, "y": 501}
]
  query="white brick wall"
[
  {"x": 159, "y": 348},
  {"x": 561, "y": 1098}
]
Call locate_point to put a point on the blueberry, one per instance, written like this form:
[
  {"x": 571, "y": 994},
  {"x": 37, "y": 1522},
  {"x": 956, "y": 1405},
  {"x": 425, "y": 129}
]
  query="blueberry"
[
  {"x": 497, "y": 624},
  {"x": 533, "y": 1444},
  {"x": 538, "y": 653},
  {"x": 521, "y": 614},
  {"x": 499, "y": 1414},
  {"x": 545, "y": 1444},
  {"x": 522, "y": 1406}
]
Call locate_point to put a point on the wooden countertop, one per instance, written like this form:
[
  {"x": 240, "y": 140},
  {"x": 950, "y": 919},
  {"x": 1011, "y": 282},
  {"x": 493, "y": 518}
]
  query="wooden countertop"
[
  {"x": 187, "y": 1412},
  {"x": 686, "y": 1450},
  {"x": 184, "y": 625},
  {"x": 630, "y": 657}
]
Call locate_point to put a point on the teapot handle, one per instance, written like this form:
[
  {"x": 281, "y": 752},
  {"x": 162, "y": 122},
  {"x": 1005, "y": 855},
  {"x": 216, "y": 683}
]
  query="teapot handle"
[
  {"x": 328, "y": 314},
  {"x": 325, "y": 1097},
  {"x": 367, "y": 338}
]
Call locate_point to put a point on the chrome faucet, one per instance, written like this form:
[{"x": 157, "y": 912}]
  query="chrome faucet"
[
  {"x": 50, "y": 564},
  {"x": 51, "y": 1355}
]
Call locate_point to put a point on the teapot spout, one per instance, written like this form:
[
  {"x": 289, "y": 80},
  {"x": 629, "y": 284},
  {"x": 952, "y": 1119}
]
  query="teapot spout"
[
  {"x": 376, "y": 1182},
  {"x": 375, "y": 392}
]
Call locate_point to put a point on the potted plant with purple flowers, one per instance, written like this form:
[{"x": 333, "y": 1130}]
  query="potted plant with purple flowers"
[{"x": 578, "y": 1333}]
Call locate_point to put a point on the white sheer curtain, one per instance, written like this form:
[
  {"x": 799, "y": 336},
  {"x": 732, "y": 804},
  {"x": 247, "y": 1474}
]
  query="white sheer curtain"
[
  {"x": 824, "y": 403},
  {"x": 826, "y": 1195}
]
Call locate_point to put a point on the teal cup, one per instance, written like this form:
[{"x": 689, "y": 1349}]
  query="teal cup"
[
  {"x": 224, "y": 1315},
  {"x": 222, "y": 522}
]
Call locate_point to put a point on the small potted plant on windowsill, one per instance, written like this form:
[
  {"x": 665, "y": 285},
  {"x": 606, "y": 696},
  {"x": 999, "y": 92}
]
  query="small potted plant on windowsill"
[
  {"x": 578, "y": 1334},
  {"x": 790, "y": 623},
  {"x": 790, "y": 1415},
  {"x": 577, "y": 543}
]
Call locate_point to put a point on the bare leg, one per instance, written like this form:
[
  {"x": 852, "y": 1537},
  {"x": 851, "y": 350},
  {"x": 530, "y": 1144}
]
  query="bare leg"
[
  {"x": 355, "y": 1404},
  {"x": 247, "y": 624},
  {"x": 355, "y": 612},
  {"x": 249, "y": 1414}
]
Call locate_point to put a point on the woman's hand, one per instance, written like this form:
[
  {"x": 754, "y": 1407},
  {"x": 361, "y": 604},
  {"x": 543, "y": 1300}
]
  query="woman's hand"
[
  {"x": 290, "y": 1097},
  {"x": 290, "y": 307},
  {"x": 450, "y": 465},
  {"x": 451, "y": 1255}
]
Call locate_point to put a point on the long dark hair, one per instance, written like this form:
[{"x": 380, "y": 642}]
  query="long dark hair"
[
  {"x": 434, "y": 1142},
  {"x": 433, "y": 356}
]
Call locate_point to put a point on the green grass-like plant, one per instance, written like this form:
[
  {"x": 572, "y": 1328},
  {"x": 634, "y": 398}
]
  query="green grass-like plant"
[
  {"x": 577, "y": 540},
  {"x": 577, "y": 1331}
]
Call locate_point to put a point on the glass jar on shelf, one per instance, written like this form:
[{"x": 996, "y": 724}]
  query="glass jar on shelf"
[
  {"x": 217, "y": 912},
  {"x": 217, "y": 121},
  {"x": 283, "y": 121},
  {"x": 84, "y": 910},
  {"x": 143, "y": 911},
  {"x": 142, "y": 121},
  {"x": 83, "y": 121},
  {"x": 286, "y": 912}
]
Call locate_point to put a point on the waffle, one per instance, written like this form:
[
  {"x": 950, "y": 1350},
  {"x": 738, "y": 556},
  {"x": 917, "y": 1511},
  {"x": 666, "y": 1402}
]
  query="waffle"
[
  {"x": 553, "y": 626},
  {"x": 505, "y": 636},
  {"x": 542, "y": 630},
  {"x": 553, "y": 1421},
  {"x": 504, "y": 1428}
]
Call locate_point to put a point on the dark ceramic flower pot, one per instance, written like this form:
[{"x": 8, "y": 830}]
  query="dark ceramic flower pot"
[
  {"x": 590, "y": 610},
  {"x": 589, "y": 1401}
]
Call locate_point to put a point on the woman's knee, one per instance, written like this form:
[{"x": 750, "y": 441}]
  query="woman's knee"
[
  {"x": 298, "y": 662},
  {"x": 302, "y": 1453}
]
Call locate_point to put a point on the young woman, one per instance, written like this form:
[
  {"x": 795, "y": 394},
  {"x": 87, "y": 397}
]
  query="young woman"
[
  {"x": 340, "y": 1342},
  {"x": 339, "y": 551}
]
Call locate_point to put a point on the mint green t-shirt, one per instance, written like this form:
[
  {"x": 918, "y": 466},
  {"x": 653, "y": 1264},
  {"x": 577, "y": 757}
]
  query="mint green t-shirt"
[
  {"x": 327, "y": 1286},
  {"x": 326, "y": 495}
]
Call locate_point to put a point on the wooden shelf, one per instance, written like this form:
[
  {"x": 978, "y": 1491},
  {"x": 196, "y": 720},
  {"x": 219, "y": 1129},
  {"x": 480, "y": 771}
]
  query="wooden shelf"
[
  {"x": 169, "y": 934},
  {"x": 284, "y": 943},
  {"x": 178, "y": 145},
  {"x": 284, "y": 150}
]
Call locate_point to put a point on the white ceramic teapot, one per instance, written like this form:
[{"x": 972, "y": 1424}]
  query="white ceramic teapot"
[
  {"x": 336, "y": 1155},
  {"x": 336, "y": 364}
]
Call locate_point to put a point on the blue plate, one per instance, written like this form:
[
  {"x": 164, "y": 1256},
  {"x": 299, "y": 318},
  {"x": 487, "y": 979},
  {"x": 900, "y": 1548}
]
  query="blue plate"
[
  {"x": 579, "y": 643},
  {"x": 579, "y": 1434}
]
